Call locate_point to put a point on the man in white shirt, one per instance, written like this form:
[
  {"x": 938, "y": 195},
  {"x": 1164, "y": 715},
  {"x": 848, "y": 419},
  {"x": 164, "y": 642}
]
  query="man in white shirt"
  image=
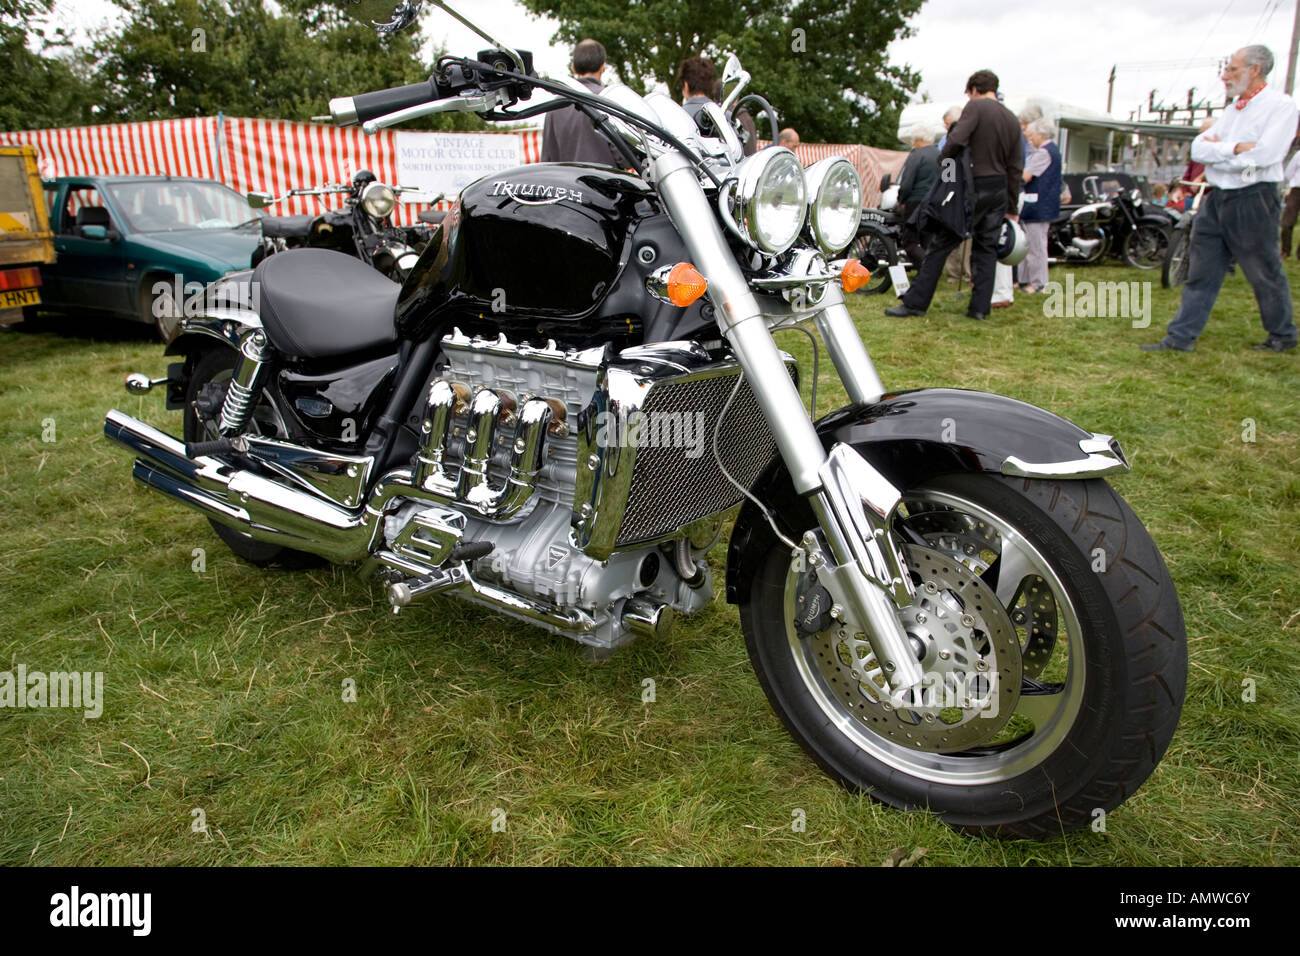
[
  {"x": 1291, "y": 176},
  {"x": 1239, "y": 219}
]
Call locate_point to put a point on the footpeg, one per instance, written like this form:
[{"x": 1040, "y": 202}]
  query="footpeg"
[
  {"x": 404, "y": 593},
  {"x": 137, "y": 383}
]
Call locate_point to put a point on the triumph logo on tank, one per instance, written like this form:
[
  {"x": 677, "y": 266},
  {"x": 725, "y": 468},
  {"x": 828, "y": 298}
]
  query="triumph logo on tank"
[
  {"x": 21, "y": 689},
  {"x": 535, "y": 194},
  {"x": 131, "y": 910}
]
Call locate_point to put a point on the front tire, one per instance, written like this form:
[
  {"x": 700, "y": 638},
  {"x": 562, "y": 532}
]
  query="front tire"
[
  {"x": 877, "y": 252},
  {"x": 1055, "y": 583},
  {"x": 1173, "y": 272},
  {"x": 1145, "y": 247}
]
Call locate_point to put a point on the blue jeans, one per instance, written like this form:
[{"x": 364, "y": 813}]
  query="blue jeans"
[{"x": 1239, "y": 224}]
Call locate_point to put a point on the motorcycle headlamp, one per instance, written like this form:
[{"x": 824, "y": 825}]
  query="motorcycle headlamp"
[
  {"x": 765, "y": 203},
  {"x": 834, "y": 203},
  {"x": 377, "y": 200}
]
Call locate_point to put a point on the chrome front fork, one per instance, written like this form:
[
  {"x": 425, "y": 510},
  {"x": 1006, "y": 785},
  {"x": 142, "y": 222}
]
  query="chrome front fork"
[{"x": 854, "y": 503}]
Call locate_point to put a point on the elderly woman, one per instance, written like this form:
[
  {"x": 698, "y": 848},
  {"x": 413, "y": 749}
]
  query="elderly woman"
[{"x": 1042, "y": 195}]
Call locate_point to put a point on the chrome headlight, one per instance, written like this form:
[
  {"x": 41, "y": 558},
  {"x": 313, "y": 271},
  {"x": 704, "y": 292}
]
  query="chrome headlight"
[
  {"x": 766, "y": 201},
  {"x": 378, "y": 200},
  {"x": 834, "y": 203}
]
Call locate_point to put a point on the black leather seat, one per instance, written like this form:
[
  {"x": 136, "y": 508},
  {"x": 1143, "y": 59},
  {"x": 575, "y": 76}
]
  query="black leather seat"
[
  {"x": 316, "y": 303},
  {"x": 286, "y": 227}
]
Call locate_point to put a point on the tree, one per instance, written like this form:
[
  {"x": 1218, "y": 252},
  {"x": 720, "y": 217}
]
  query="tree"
[
  {"x": 46, "y": 86},
  {"x": 821, "y": 63},
  {"x": 173, "y": 58}
]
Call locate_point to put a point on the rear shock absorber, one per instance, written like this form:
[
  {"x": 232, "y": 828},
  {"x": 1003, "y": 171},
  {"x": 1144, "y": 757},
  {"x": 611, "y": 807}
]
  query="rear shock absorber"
[{"x": 245, "y": 383}]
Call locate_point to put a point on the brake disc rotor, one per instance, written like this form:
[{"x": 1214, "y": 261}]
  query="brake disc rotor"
[
  {"x": 977, "y": 546},
  {"x": 969, "y": 652}
]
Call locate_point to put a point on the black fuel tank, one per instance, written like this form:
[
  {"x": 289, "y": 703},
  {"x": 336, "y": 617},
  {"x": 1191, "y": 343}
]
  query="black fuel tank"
[{"x": 544, "y": 240}]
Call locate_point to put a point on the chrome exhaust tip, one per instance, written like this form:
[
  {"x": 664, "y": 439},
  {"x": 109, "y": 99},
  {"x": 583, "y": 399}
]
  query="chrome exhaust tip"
[{"x": 645, "y": 619}]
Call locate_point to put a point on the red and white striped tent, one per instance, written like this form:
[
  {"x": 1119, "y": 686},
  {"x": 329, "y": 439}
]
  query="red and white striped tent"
[{"x": 275, "y": 156}]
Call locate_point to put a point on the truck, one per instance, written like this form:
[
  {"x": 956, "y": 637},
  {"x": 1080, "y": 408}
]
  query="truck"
[{"x": 26, "y": 240}]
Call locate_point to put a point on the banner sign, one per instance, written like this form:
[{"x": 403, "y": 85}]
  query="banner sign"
[{"x": 448, "y": 162}]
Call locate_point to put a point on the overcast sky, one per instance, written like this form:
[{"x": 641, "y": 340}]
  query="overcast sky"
[{"x": 1157, "y": 44}]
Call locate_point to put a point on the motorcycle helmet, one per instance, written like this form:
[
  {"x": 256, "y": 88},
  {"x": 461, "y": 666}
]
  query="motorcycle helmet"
[
  {"x": 362, "y": 179},
  {"x": 1013, "y": 244}
]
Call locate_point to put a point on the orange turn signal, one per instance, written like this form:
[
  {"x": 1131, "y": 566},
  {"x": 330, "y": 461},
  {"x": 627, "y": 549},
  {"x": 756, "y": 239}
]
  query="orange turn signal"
[
  {"x": 685, "y": 284},
  {"x": 854, "y": 276}
]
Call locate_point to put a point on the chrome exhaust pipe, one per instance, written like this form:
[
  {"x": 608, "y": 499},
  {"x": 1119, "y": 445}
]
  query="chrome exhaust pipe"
[
  {"x": 263, "y": 509},
  {"x": 270, "y": 511}
]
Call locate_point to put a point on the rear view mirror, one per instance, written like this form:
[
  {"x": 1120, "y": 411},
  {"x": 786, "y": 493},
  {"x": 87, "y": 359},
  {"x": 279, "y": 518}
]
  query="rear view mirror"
[
  {"x": 94, "y": 232},
  {"x": 259, "y": 200},
  {"x": 885, "y": 181}
]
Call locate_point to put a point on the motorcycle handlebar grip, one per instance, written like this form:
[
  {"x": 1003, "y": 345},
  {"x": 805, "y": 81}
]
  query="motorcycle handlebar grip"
[{"x": 351, "y": 110}]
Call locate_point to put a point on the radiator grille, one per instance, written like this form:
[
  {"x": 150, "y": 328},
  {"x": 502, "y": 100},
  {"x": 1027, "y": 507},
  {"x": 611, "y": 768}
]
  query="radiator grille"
[{"x": 671, "y": 489}]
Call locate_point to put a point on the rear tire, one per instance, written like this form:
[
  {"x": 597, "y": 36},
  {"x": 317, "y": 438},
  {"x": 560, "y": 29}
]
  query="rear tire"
[
  {"x": 1104, "y": 660},
  {"x": 159, "y": 309},
  {"x": 217, "y": 366}
]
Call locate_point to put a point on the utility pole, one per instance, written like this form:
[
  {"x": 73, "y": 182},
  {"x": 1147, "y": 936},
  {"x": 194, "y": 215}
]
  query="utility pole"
[
  {"x": 1110, "y": 87},
  {"x": 1290, "y": 63}
]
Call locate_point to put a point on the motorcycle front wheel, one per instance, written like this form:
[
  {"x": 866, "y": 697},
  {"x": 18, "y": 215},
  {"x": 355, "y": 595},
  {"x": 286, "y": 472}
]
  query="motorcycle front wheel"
[
  {"x": 1145, "y": 247},
  {"x": 877, "y": 252},
  {"x": 1053, "y": 646}
]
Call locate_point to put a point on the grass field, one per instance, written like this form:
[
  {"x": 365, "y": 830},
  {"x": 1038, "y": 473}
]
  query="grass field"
[{"x": 223, "y": 688}]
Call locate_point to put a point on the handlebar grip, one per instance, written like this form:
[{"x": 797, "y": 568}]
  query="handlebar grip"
[{"x": 351, "y": 110}]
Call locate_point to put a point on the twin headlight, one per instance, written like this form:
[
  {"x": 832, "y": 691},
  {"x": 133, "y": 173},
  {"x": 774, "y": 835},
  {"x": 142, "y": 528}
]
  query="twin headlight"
[
  {"x": 771, "y": 198},
  {"x": 378, "y": 200}
]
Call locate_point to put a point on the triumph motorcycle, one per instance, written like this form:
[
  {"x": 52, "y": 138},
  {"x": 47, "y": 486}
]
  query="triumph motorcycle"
[
  {"x": 363, "y": 227},
  {"x": 942, "y": 597}
]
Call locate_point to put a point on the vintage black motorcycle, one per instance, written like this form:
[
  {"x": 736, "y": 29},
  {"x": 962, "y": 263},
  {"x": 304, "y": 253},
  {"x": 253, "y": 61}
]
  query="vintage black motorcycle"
[
  {"x": 1123, "y": 225},
  {"x": 363, "y": 227},
  {"x": 944, "y": 600}
]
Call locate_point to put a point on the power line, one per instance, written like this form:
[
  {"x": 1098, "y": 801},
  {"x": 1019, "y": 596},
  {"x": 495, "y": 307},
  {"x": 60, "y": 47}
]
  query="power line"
[{"x": 1202, "y": 43}]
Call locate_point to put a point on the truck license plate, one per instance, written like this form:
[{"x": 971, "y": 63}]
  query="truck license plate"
[{"x": 19, "y": 297}]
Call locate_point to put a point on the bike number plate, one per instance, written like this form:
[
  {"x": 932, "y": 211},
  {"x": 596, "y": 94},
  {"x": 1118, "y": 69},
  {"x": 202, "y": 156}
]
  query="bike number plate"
[{"x": 898, "y": 277}]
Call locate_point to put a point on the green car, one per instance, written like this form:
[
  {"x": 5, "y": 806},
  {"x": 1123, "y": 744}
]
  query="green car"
[{"x": 143, "y": 247}]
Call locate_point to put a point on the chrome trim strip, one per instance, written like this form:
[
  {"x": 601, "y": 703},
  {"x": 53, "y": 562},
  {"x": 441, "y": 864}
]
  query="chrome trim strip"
[{"x": 1103, "y": 456}]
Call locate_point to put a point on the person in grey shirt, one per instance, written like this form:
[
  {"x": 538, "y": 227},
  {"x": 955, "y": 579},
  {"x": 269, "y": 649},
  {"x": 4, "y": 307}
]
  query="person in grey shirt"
[
  {"x": 697, "y": 76},
  {"x": 568, "y": 135}
]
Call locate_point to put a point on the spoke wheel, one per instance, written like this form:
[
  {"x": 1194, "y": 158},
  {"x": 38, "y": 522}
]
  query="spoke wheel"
[
  {"x": 1145, "y": 247},
  {"x": 1174, "y": 270},
  {"x": 877, "y": 253}
]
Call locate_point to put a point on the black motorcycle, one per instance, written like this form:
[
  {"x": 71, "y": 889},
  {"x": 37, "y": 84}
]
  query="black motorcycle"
[
  {"x": 363, "y": 227},
  {"x": 879, "y": 245},
  {"x": 1123, "y": 225},
  {"x": 553, "y": 416}
]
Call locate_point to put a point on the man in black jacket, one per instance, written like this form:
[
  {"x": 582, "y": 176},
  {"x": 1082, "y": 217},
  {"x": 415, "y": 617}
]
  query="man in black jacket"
[
  {"x": 568, "y": 135},
  {"x": 991, "y": 135}
]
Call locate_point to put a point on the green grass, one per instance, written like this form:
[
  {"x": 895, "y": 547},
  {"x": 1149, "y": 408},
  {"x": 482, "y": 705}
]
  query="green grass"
[{"x": 227, "y": 684}]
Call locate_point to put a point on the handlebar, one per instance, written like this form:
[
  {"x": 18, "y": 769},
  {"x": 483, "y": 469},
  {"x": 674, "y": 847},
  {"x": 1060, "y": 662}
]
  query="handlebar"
[{"x": 351, "y": 110}]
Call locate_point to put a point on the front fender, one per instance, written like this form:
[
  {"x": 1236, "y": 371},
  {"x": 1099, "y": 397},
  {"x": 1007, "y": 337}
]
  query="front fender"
[{"x": 913, "y": 435}]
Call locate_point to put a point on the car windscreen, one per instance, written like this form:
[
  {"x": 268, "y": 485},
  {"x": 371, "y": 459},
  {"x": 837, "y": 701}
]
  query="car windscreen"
[{"x": 167, "y": 205}]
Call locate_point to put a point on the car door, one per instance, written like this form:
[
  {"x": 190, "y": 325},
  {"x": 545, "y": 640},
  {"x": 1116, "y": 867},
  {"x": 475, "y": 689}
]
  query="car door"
[{"x": 91, "y": 272}]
